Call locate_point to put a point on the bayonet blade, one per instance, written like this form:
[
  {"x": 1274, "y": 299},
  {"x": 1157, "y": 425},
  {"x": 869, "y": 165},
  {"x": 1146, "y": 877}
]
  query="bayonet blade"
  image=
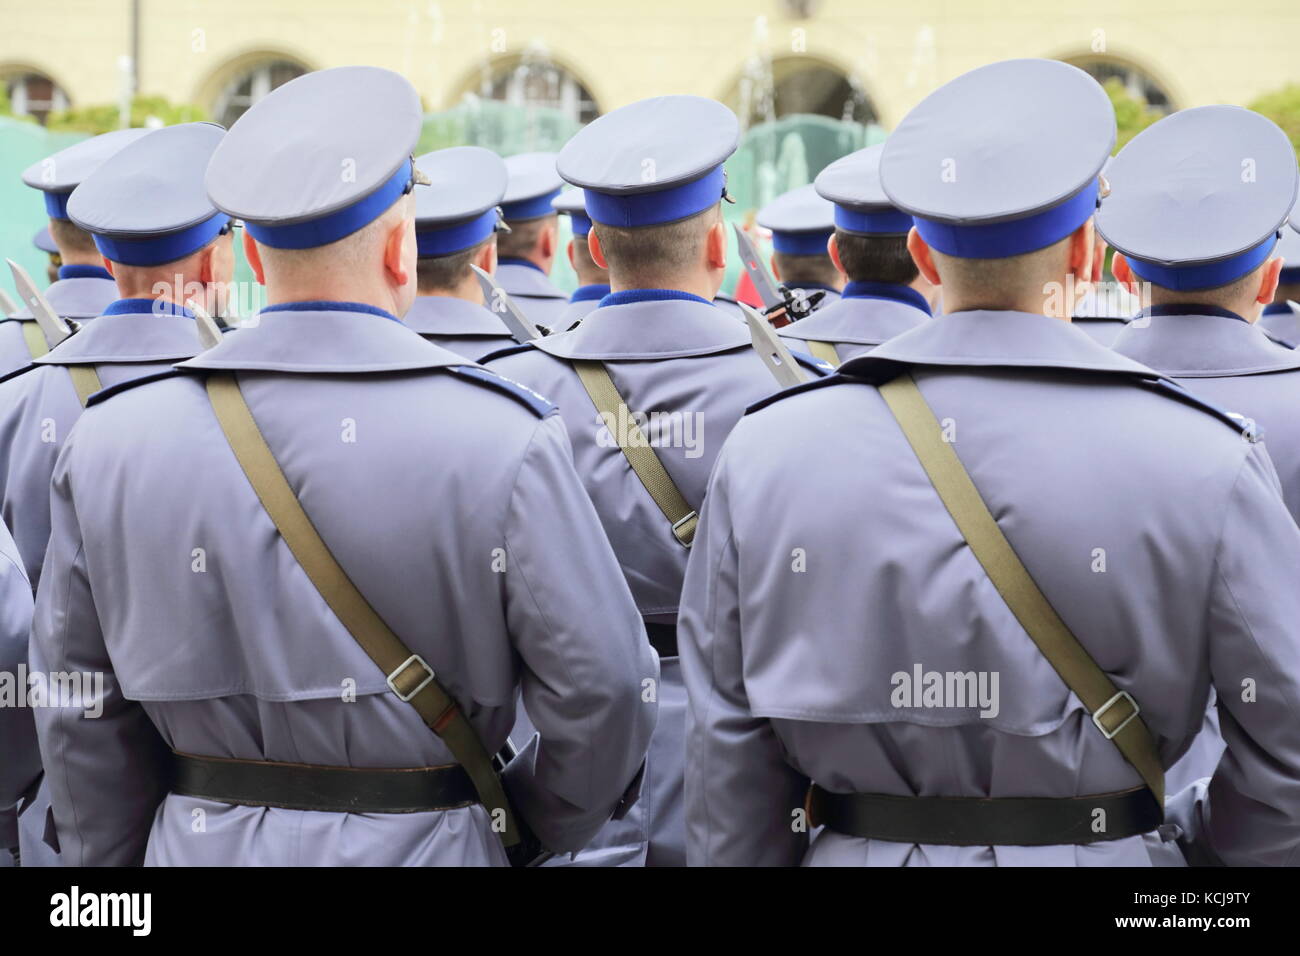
[
  {"x": 774, "y": 353},
  {"x": 764, "y": 284},
  {"x": 53, "y": 327},
  {"x": 502, "y": 306},
  {"x": 7, "y": 305},
  {"x": 209, "y": 331}
]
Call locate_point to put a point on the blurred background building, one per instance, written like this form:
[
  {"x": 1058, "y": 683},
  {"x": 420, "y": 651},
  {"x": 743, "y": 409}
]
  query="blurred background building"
[{"x": 810, "y": 79}]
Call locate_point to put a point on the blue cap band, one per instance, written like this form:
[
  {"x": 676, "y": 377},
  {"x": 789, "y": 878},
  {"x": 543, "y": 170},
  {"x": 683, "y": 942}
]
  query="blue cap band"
[
  {"x": 157, "y": 250},
  {"x": 800, "y": 243},
  {"x": 581, "y": 224},
  {"x": 335, "y": 225},
  {"x": 139, "y": 306},
  {"x": 56, "y": 205},
  {"x": 652, "y": 209},
  {"x": 886, "y": 222},
  {"x": 443, "y": 242},
  {"x": 533, "y": 208},
  {"x": 1001, "y": 240},
  {"x": 1208, "y": 275}
]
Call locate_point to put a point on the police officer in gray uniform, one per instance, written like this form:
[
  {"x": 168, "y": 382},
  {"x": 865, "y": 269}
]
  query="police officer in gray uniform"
[
  {"x": 885, "y": 295},
  {"x": 150, "y": 217},
  {"x": 802, "y": 222},
  {"x": 973, "y": 650},
  {"x": 84, "y": 287},
  {"x": 456, "y": 223},
  {"x": 1281, "y": 319},
  {"x": 526, "y": 253},
  {"x": 44, "y": 241},
  {"x": 340, "y": 567},
  {"x": 652, "y": 368},
  {"x": 20, "y": 765},
  {"x": 593, "y": 280}
]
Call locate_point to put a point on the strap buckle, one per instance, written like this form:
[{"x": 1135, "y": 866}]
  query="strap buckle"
[
  {"x": 684, "y": 529},
  {"x": 393, "y": 677},
  {"x": 1096, "y": 717}
]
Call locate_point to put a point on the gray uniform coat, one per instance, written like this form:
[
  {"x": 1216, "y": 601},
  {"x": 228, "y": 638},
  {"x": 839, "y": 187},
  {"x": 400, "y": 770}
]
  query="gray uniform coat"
[
  {"x": 795, "y": 621},
  {"x": 857, "y": 323},
  {"x": 458, "y": 325},
  {"x": 533, "y": 291},
  {"x": 20, "y": 765},
  {"x": 443, "y": 493},
  {"x": 80, "y": 299}
]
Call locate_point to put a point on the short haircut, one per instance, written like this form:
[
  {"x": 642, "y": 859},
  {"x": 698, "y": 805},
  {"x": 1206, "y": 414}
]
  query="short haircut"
[
  {"x": 874, "y": 258},
  {"x": 992, "y": 282},
  {"x": 799, "y": 270},
  {"x": 648, "y": 255},
  {"x": 520, "y": 241},
  {"x": 442, "y": 273},
  {"x": 71, "y": 238},
  {"x": 583, "y": 265},
  {"x": 355, "y": 251},
  {"x": 1229, "y": 296}
]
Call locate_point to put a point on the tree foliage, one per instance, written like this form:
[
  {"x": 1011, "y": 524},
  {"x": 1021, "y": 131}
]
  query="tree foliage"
[
  {"x": 145, "y": 111},
  {"x": 1283, "y": 108},
  {"x": 1132, "y": 114}
]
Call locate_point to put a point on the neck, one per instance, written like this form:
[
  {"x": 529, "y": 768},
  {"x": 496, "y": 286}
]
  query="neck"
[
  {"x": 469, "y": 290},
  {"x": 347, "y": 290},
  {"x": 532, "y": 259},
  {"x": 81, "y": 259},
  {"x": 700, "y": 285}
]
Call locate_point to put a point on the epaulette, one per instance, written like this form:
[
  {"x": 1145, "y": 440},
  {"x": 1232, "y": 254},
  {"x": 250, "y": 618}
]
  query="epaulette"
[
  {"x": 104, "y": 394},
  {"x": 520, "y": 393},
  {"x": 833, "y": 379},
  {"x": 507, "y": 350},
  {"x": 18, "y": 371},
  {"x": 1246, "y": 427}
]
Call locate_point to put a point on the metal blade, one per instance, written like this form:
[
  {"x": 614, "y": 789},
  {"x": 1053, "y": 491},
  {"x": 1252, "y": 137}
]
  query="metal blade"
[
  {"x": 499, "y": 301},
  {"x": 52, "y": 325},
  {"x": 209, "y": 331},
  {"x": 774, "y": 353},
  {"x": 7, "y": 304},
  {"x": 1295, "y": 306},
  {"x": 764, "y": 284}
]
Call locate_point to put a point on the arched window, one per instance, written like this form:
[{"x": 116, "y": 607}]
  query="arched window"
[
  {"x": 35, "y": 95},
  {"x": 770, "y": 88},
  {"x": 251, "y": 84},
  {"x": 1136, "y": 82},
  {"x": 534, "y": 80}
]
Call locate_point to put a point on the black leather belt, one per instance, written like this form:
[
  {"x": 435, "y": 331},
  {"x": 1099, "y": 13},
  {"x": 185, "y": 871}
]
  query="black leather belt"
[
  {"x": 297, "y": 786},
  {"x": 663, "y": 638},
  {"x": 974, "y": 821}
]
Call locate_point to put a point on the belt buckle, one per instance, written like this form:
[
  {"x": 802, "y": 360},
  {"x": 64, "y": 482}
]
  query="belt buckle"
[
  {"x": 1096, "y": 717},
  {"x": 392, "y": 678},
  {"x": 677, "y": 532}
]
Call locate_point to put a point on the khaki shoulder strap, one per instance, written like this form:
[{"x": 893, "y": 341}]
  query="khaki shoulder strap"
[
  {"x": 637, "y": 448},
  {"x": 824, "y": 351},
  {"x": 85, "y": 380},
  {"x": 35, "y": 338},
  {"x": 1114, "y": 712},
  {"x": 409, "y": 677}
]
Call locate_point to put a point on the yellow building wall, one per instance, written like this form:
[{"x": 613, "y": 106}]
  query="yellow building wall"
[{"x": 1200, "y": 51}]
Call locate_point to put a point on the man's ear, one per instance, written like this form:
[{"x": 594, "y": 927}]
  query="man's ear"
[
  {"x": 921, "y": 256},
  {"x": 1081, "y": 247},
  {"x": 207, "y": 274},
  {"x": 109, "y": 266},
  {"x": 486, "y": 258},
  {"x": 1269, "y": 279},
  {"x": 1098, "y": 257},
  {"x": 833, "y": 250},
  {"x": 254, "y": 258},
  {"x": 571, "y": 247},
  {"x": 1123, "y": 273},
  {"x": 547, "y": 240},
  {"x": 715, "y": 247},
  {"x": 597, "y": 253},
  {"x": 394, "y": 251},
  {"x": 776, "y": 273}
]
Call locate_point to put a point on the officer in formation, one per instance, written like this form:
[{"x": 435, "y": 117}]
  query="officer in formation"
[
  {"x": 649, "y": 385},
  {"x": 149, "y": 215},
  {"x": 20, "y": 768},
  {"x": 354, "y": 532},
  {"x": 1281, "y": 318},
  {"x": 593, "y": 280},
  {"x": 84, "y": 287},
  {"x": 44, "y": 241},
  {"x": 456, "y": 224},
  {"x": 885, "y": 295},
  {"x": 1057, "y": 642},
  {"x": 801, "y": 222},
  {"x": 526, "y": 253}
]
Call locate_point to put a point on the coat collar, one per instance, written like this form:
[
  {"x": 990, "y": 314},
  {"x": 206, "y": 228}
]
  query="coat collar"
[
  {"x": 80, "y": 298},
  {"x": 140, "y": 335},
  {"x": 520, "y": 278},
  {"x": 1203, "y": 346},
  {"x": 442, "y": 315},
  {"x": 858, "y": 320},
  {"x": 982, "y": 338},
  {"x": 314, "y": 340},
  {"x": 649, "y": 329}
]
